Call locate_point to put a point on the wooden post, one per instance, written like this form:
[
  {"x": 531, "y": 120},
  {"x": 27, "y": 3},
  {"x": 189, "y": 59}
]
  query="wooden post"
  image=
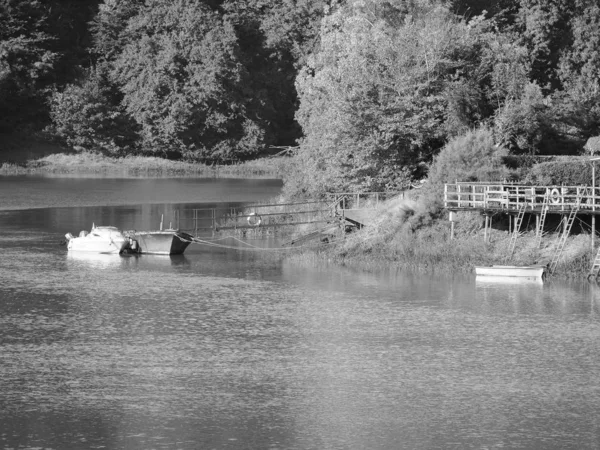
[
  {"x": 509, "y": 223},
  {"x": 195, "y": 222},
  {"x": 537, "y": 225},
  {"x": 485, "y": 231},
  {"x": 593, "y": 230}
]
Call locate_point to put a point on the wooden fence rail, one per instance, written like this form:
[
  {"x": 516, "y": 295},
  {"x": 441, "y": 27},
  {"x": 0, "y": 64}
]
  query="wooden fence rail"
[{"x": 510, "y": 197}]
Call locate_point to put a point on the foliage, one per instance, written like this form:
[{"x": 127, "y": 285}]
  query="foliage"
[
  {"x": 109, "y": 25},
  {"x": 580, "y": 62},
  {"x": 370, "y": 113},
  {"x": 472, "y": 157},
  {"x": 372, "y": 90},
  {"x": 25, "y": 60},
  {"x": 567, "y": 171},
  {"x": 184, "y": 83},
  {"x": 275, "y": 38},
  {"x": 520, "y": 123},
  {"x": 89, "y": 116},
  {"x": 289, "y": 28},
  {"x": 544, "y": 26}
]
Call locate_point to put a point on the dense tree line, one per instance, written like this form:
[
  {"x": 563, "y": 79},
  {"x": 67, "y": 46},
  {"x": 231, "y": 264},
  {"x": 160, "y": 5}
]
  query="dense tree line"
[
  {"x": 393, "y": 82},
  {"x": 371, "y": 91}
]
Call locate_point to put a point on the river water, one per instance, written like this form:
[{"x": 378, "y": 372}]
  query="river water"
[{"x": 229, "y": 349}]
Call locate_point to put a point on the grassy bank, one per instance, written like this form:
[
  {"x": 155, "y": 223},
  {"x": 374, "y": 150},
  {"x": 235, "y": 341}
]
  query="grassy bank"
[
  {"x": 405, "y": 236},
  {"x": 138, "y": 166}
]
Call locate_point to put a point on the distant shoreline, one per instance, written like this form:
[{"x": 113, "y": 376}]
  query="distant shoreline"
[{"x": 93, "y": 164}]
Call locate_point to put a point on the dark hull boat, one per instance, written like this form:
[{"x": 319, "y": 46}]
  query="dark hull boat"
[{"x": 163, "y": 242}]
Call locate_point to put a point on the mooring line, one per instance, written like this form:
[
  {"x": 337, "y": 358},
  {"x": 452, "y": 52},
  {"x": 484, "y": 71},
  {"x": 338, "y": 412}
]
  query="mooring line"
[{"x": 251, "y": 247}]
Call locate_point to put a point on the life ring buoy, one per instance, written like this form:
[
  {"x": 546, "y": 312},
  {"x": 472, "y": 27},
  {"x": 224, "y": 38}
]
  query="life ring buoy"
[
  {"x": 555, "y": 196},
  {"x": 254, "y": 220}
]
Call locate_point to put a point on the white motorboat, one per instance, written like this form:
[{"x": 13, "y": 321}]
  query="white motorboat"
[{"x": 98, "y": 240}]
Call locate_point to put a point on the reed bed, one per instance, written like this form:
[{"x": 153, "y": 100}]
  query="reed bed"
[{"x": 88, "y": 163}]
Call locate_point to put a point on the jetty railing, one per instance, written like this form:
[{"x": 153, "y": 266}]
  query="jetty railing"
[
  {"x": 510, "y": 197},
  {"x": 358, "y": 200},
  {"x": 257, "y": 216},
  {"x": 268, "y": 217}
]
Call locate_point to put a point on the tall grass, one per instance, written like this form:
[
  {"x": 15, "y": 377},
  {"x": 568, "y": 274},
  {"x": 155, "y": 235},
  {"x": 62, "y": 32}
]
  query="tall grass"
[{"x": 88, "y": 163}]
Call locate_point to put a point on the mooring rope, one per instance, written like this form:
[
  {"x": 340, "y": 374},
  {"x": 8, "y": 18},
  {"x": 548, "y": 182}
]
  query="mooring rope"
[{"x": 250, "y": 247}]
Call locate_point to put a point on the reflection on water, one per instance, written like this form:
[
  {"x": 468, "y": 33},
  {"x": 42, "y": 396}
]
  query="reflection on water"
[
  {"x": 507, "y": 282},
  {"x": 227, "y": 349},
  {"x": 23, "y": 192}
]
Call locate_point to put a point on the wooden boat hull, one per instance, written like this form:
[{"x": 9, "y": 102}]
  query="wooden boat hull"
[
  {"x": 165, "y": 242},
  {"x": 511, "y": 271}
]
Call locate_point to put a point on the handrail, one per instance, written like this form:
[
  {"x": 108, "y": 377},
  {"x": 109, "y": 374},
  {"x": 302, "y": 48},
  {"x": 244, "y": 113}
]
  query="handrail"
[{"x": 494, "y": 196}]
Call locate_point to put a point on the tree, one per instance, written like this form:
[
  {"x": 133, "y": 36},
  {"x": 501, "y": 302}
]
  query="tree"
[
  {"x": 374, "y": 98},
  {"x": 25, "y": 60},
  {"x": 275, "y": 38},
  {"x": 184, "y": 84},
  {"x": 88, "y": 116},
  {"x": 520, "y": 122},
  {"x": 580, "y": 63},
  {"x": 109, "y": 26},
  {"x": 544, "y": 27}
]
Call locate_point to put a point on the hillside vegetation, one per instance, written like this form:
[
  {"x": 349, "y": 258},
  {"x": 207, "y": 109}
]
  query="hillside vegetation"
[{"x": 360, "y": 95}]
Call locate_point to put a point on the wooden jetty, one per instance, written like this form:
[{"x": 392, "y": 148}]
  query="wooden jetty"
[
  {"x": 358, "y": 209},
  {"x": 342, "y": 209},
  {"x": 263, "y": 217},
  {"x": 508, "y": 197},
  {"x": 516, "y": 200}
]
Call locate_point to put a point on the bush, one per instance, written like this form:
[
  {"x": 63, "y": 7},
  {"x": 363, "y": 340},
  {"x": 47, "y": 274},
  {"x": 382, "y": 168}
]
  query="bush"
[
  {"x": 470, "y": 157},
  {"x": 565, "y": 170}
]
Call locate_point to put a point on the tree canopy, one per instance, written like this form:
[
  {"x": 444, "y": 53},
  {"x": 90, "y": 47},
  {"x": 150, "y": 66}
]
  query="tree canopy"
[{"x": 367, "y": 91}]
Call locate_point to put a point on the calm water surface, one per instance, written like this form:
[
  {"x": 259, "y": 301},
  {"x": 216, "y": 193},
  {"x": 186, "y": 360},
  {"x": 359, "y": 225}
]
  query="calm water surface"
[{"x": 232, "y": 349}]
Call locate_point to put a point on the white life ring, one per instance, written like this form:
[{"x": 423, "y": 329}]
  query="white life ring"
[
  {"x": 254, "y": 220},
  {"x": 555, "y": 196}
]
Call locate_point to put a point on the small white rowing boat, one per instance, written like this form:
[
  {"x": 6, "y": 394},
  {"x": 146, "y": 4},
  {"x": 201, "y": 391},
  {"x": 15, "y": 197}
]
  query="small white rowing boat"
[{"x": 511, "y": 271}]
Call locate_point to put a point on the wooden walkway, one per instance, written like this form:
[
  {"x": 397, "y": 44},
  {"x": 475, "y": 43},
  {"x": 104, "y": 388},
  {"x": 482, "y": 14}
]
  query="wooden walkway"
[
  {"x": 358, "y": 209},
  {"x": 355, "y": 209},
  {"x": 510, "y": 198},
  {"x": 358, "y": 217},
  {"x": 266, "y": 217}
]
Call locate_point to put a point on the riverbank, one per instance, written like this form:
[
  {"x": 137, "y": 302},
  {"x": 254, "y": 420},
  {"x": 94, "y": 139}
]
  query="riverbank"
[
  {"x": 86, "y": 163},
  {"x": 405, "y": 235}
]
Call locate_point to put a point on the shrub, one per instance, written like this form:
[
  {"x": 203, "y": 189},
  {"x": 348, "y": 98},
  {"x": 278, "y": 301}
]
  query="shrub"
[
  {"x": 565, "y": 170},
  {"x": 470, "y": 157}
]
